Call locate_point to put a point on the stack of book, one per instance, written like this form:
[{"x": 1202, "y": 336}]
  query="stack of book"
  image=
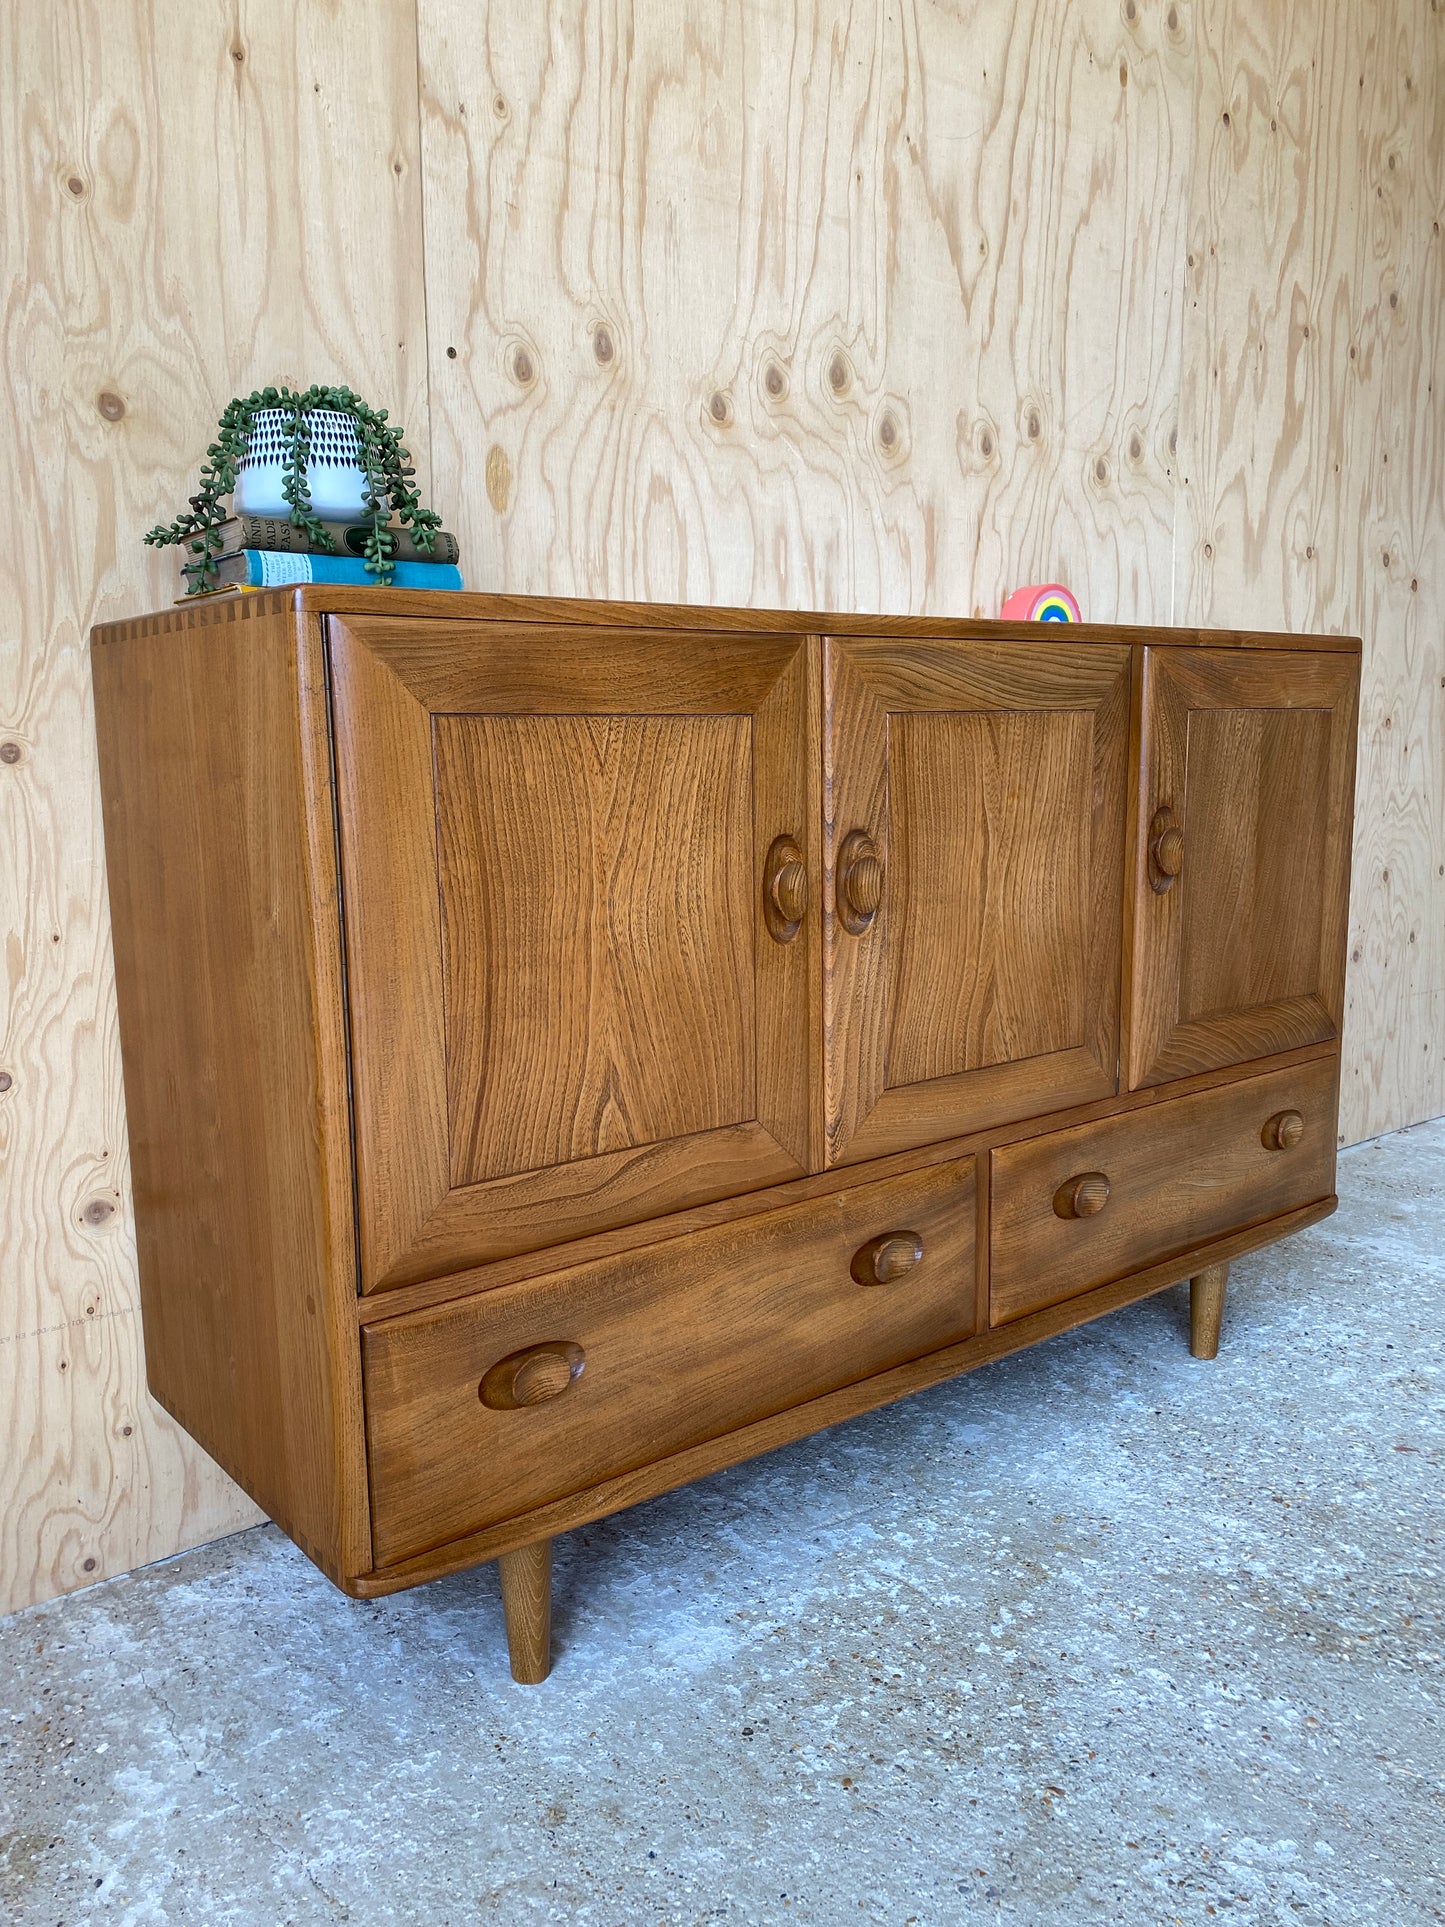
[{"x": 263, "y": 552}]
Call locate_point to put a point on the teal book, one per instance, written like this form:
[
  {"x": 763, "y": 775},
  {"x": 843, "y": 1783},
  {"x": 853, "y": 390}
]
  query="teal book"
[{"x": 276, "y": 568}]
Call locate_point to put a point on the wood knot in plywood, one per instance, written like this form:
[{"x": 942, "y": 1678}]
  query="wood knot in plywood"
[
  {"x": 499, "y": 477},
  {"x": 891, "y": 431}
]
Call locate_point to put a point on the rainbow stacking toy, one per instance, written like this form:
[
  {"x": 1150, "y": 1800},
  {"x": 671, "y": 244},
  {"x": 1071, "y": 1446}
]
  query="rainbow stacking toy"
[{"x": 1047, "y": 602}]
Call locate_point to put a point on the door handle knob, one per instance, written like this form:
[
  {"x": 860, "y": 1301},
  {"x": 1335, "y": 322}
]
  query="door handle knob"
[
  {"x": 1283, "y": 1131},
  {"x": 1083, "y": 1196},
  {"x": 1166, "y": 850},
  {"x": 886, "y": 1258},
  {"x": 860, "y": 882},
  {"x": 532, "y": 1376},
  {"x": 785, "y": 889}
]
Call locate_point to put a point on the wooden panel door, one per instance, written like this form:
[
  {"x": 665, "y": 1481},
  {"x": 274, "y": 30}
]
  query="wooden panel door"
[
  {"x": 569, "y": 1009},
  {"x": 974, "y": 859},
  {"x": 1241, "y": 861}
]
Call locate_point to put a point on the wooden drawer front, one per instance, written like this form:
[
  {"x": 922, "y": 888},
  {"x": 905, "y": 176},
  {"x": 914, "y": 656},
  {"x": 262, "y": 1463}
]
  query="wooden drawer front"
[
  {"x": 1178, "y": 1173},
  {"x": 679, "y": 1342}
]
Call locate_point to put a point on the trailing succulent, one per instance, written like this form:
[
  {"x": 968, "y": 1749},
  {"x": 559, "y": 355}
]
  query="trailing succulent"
[{"x": 384, "y": 461}]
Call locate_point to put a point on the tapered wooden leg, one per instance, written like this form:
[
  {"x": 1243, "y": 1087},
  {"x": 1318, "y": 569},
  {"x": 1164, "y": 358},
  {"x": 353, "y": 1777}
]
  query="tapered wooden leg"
[
  {"x": 1206, "y": 1310},
  {"x": 527, "y": 1603}
]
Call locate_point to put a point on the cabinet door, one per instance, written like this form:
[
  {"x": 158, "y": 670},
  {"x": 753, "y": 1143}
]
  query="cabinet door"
[
  {"x": 568, "y": 1010},
  {"x": 1241, "y": 864},
  {"x": 974, "y": 853}
]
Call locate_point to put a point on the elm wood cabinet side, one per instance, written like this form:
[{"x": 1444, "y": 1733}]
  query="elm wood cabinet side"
[
  {"x": 221, "y": 859},
  {"x": 589, "y": 945}
]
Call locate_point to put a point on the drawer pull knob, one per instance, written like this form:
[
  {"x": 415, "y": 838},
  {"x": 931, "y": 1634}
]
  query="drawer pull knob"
[
  {"x": 785, "y": 889},
  {"x": 1166, "y": 850},
  {"x": 1283, "y": 1131},
  {"x": 860, "y": 882},
  {"x": 532, "y": 1376},
  {"x": 882, "y": 1260},
  {"x": 1083, "y": 1196}
]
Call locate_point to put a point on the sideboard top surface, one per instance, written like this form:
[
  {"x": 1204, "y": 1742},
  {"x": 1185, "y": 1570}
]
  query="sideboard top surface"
[{"x": 469, "y": 606}]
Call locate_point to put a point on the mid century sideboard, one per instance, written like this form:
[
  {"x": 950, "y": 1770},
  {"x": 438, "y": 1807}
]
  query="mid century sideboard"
[{"x": 570, "y": 1047}]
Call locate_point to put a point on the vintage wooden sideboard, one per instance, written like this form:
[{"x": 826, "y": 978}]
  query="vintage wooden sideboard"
[{"x": 570, "y": 1047}]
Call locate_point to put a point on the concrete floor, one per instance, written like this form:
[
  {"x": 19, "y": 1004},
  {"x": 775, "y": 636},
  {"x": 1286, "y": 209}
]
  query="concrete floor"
[{"x": 1098, "y": 1632}]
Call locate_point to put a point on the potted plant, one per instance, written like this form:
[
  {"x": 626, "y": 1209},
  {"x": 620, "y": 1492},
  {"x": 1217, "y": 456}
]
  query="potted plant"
[{"x": 321, "y": 453}]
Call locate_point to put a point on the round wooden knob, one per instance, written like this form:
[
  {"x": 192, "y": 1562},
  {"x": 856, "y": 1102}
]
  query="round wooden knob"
[
  {"x": 1283, "y": 1131},
  {"x": 532, "y": 1376},
  {"x": 790, "y": 892},
  {"x": 860, "y": 882},
  {"x": 785, "y": 889},
  {"x": 1166, "y": 850},
  {"x": 865, "y": 886},
  {"x": 1169, "y": 851},
  {"x": 883, "y": 1259},
  {"x": 1083, "y": 1196}
]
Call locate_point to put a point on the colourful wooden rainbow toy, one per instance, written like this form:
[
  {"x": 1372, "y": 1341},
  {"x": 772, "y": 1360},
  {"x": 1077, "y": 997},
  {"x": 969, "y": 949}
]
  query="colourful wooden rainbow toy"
[{"x": 1043, "y": 602}]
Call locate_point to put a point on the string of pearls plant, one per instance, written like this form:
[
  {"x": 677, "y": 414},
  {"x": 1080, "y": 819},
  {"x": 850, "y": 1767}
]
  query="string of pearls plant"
[{"x": 383, "y": 460}]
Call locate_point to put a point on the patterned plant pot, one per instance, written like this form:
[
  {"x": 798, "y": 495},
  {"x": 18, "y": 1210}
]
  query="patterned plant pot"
[{"x": 334, "y": 476}]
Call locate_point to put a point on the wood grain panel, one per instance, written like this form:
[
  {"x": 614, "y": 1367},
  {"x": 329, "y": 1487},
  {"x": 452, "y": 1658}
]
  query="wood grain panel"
[
  {"x": 1250, "y": 761},
  {"x": 167, "y": 173},
  {"x": 808, "y": 306},
  {"x": 1313, "y": 445},
  {"x": 991, "y": 818},
  {"x": 1258, "y": 801},
  {"x": 597, "y": 915},
  {"x": 990, "y": 916},
  {"x": 423, "y": 1210}
]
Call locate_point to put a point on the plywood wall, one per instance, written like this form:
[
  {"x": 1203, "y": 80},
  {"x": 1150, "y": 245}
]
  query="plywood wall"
[
  {"x": 1313, "y": 444},
  {"x": 195, "y": 200},
  {"x": 832, "y": 306},
  {"x": 855, "y": 306}
]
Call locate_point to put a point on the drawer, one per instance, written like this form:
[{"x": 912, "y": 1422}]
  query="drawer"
[
  {"x": 1175, "y": 1174},
  {"x": 645, "y": 1353}
]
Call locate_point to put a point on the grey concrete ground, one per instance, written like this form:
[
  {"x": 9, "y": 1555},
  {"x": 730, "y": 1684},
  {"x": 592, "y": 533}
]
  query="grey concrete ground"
[{"x": 1097, "y": 1633}]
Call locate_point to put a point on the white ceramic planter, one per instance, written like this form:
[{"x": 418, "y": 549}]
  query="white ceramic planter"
[{"x": 334, "y": 475}]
